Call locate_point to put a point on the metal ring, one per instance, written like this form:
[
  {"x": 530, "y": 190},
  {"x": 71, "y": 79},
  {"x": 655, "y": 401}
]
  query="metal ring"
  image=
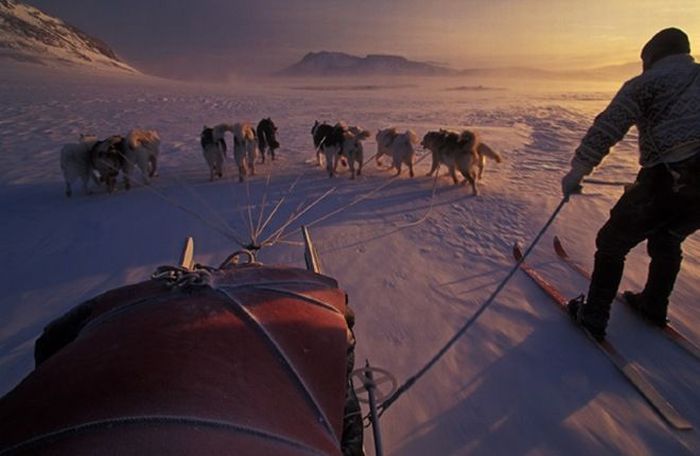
[{"x": 383, "y": 377}]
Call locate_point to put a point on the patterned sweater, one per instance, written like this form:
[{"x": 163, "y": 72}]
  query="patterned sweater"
[{"x": 664, "y": 104}]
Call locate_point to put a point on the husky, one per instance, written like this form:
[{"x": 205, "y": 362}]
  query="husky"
[
  {"x": 352, "y": 148},
  {"x": 107, "y": 158},
  {"x": 384, "y": 138},
  {"x": 244, "y": 149},
  {"x": 317, "y": 138},
  {"x": 142, "y": 150},
  {"x": 75, "y": 163},
  {"x": 399, "y": 146},
  {"x": 329, "y": 139},
  {"x": 456, "y": 151},
  {"x": 214, "y": 150},
  {"x": 219, "y": 134},
  {"x": 267, "y": 138}
]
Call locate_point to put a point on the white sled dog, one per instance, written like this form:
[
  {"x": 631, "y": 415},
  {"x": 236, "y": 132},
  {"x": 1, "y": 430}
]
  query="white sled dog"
[
  {"x": 245, "y": 149},
  {"x": 352, "y": 148},
  {"x": 75, "y": 163},
  {"x": 142, "y": 150},
  {"x": 456, "y": 151},
  {"x": 214, "y": 149},
  {"x": 399, "y": 146}
]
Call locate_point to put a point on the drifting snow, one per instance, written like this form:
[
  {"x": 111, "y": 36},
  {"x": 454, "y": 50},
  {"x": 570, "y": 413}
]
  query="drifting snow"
[{"x": 522, "y": 380}]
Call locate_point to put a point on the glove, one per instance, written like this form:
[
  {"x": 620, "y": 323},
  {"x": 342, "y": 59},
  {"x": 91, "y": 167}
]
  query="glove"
[{"x": 571, "y": 183}]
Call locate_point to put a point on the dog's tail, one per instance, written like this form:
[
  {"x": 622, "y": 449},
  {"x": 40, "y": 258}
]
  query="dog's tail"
[
  {"x": 360, "y": 133},
  {"x": 146, "y": 138},
  {"x": 412, "y": 136},
  {"x": 486, "y": 151}
]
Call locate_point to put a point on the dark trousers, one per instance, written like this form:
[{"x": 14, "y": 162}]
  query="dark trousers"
[{"x": 649, "y": 210}]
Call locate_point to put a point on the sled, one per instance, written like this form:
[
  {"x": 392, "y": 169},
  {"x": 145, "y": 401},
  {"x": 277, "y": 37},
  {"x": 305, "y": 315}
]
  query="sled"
[{"x": 240, "y": 359}]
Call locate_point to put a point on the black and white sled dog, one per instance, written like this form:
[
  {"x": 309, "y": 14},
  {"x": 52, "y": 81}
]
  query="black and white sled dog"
[
  {"x": 329, "y": 139},
  {"x": 108, "y": 159},
  {"x": 267, "y": 138},
  {"x": 142, "y": 148},
  {"x": 75, "y": 163},
  {"x": 214, "y": 148},
  {"x": 352, "y": 148},
  {"x": 398, "y": 146},
  {"x": 459, "y": 151},
  {"x": 245, "y": 149}
]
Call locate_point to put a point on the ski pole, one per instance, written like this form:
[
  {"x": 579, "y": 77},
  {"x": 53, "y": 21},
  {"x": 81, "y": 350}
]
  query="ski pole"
[
  {"x": 604, "y": 182},
  {"x": 370, "y": 386},
  {"x": 409, "y": 383}
]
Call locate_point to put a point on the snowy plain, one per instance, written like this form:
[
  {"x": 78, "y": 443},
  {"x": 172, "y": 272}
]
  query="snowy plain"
[{"x": 417, "y": 256}]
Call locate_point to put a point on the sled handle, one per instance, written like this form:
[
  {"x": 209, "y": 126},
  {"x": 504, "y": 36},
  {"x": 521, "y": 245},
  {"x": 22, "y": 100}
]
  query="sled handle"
[{"x": 187, "y": 255}]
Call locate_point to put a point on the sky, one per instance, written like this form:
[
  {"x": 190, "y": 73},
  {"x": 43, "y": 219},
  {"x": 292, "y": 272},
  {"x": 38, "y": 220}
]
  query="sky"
[{"x": 185, "y": 37}]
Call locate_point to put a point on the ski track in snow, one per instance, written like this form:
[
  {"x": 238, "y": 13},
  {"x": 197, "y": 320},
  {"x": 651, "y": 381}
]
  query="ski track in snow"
[{"x": 416, "y": 267}]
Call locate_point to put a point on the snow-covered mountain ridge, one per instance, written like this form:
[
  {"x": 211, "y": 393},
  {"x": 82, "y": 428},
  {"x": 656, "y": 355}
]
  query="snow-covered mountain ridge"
[{"x": 29, "y": 35}]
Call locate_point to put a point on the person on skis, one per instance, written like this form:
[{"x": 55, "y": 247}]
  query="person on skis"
[{"x": 662, "y": 206}]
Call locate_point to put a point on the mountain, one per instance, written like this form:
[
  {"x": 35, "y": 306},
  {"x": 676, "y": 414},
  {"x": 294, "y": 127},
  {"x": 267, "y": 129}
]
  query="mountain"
[
  {"x": 326, "y": 63},
  {"x": 29, "y": 35}
]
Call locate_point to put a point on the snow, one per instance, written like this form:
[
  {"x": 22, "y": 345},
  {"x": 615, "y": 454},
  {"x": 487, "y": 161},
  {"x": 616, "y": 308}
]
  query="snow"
[{"x": 522, "y": 380}]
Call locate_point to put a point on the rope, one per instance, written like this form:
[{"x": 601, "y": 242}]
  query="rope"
[
  {"x": 430, "y": 208},
  {"x": 225, "y": 231},
  {"x": 412, "y": 380},
  {"x": 175, "y": 276},
  {"x": 350, "y": 204}
]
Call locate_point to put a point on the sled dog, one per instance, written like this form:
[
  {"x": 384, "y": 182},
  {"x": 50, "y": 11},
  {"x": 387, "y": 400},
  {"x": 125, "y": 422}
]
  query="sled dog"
[
  {"x": 458, "y": 151},
  {"x": 214, "y": 151},
  {"x": 107, "y": 158},
  {"x": 352, "y": 148},
  {"x": 329, "y": 139},
  {"x": 75, "y": 163},
  {"x": 398, "y": 146},
  {"x": 142, "y": 149},
  {"x": 267, "y": 138},
  {"x": 245, "y": 149}
]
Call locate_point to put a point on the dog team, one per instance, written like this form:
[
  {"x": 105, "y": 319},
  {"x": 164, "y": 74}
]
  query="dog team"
[
  {"x": 102, "y": 161},
  {"x": 459, "y": 151}
]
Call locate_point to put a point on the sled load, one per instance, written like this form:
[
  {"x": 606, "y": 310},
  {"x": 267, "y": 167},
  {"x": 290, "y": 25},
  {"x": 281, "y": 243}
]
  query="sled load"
[{"x": 240, "y": 359}]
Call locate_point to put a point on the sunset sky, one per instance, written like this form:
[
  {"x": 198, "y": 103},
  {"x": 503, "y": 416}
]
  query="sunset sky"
[{"x": 178, "y": 35}]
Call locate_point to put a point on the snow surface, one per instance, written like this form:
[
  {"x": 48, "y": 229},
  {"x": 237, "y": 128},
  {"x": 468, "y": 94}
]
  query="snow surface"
[{"x": 522, "y": 380}]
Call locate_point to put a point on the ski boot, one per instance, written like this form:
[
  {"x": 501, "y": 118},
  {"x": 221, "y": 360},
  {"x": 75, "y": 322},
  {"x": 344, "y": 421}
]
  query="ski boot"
[
  {"x": 637, "y": 303},
  {"x": 573, "y": 308}
]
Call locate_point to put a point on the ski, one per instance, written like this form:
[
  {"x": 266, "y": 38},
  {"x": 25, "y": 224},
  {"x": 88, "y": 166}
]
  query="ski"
[
  {"x": 627, "y": 368},
  {"x": 669, "y": 330}
]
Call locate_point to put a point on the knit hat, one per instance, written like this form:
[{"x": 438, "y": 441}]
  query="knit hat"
[{"x": 667, "y": 42}]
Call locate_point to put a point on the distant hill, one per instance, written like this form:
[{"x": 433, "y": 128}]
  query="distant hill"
[
  {"x": 326, "y": 63},
  {"x": 29, "y": 35}
]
